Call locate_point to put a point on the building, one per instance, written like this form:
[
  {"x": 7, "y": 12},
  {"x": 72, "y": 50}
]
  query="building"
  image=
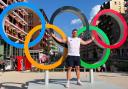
[
  {"x": 15, "y": 20},
  {"x": 126, "y": 10},
  {"x": 118, "y": 57},
  {"x": 17, "y": 24},
  {"x": 46, "y": 45},
  {"x": 117, "y": 5}
]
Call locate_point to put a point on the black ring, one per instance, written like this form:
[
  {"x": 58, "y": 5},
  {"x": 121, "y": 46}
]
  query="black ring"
[{"x": 74, "y": 10}]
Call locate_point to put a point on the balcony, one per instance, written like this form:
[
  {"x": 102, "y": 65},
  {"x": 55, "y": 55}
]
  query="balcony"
[
  {"x": 24, "y": 11},
  {"x": 16, "y": 38},
  {"x": 13, "y": 25},
  {"x": 22, "y": 21},
  {"x": 14, "y": 31}
]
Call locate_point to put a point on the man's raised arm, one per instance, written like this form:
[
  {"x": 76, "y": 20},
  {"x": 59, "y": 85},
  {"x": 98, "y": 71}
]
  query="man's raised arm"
[
  {"x": 86, "y": 42},
  {"x": 60, "y": 40}
]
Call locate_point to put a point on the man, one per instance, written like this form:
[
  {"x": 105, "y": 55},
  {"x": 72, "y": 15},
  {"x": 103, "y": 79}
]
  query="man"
[{"x": 73, "y": 58}]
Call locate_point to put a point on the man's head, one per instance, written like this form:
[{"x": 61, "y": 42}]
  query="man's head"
[{"x": 74, "y": 33}]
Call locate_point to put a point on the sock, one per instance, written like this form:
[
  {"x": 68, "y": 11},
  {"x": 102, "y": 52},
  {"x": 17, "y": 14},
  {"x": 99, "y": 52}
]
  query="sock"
[
  {"x": 68, "y": 81},
  {"x": 78, "y": 80}
]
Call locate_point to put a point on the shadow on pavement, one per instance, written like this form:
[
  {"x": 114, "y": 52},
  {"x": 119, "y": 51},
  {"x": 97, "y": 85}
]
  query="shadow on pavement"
[
  {"x": 54, "y": 81},
  {"x": 12, "y": 85},
  {"x": 124, "y": 74},
  {"x": 107, "y": 76}
]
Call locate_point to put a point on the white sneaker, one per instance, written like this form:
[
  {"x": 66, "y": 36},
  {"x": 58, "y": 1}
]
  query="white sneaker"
[
  {"x": 79, "y": 83},
  {"x": 67, "y": 85}
]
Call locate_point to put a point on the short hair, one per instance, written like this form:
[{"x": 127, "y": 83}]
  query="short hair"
[{"x": 74, "y": 30}]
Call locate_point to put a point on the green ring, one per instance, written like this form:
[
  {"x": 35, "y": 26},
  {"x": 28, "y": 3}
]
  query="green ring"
[{"x": 106, "y": 53}]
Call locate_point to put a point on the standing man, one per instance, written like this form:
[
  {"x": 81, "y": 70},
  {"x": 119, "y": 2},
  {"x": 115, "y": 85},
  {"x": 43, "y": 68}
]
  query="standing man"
[{"x": 73, "y": 58}]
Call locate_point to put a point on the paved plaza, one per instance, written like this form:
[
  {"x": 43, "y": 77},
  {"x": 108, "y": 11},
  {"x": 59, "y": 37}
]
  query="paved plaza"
[{"x": 35, "y": 80}]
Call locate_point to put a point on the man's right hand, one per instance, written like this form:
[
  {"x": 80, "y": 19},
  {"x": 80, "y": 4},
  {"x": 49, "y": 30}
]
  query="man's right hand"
[
  {"x": 60, "y": 40},
  {"x": 53, "y": 35}
]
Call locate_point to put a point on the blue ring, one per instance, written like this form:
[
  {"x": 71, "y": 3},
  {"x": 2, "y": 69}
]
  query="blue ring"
[{"x": 21, "y": 4}]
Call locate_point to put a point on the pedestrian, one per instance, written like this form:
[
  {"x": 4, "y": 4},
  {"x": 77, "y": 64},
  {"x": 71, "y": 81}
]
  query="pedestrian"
[
  {"x": 103, "y": 68},
  {"x": 3, "y": 66}
]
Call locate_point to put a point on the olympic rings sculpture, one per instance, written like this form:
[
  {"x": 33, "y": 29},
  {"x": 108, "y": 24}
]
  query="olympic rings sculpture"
[{"x": 98, "y": 33}]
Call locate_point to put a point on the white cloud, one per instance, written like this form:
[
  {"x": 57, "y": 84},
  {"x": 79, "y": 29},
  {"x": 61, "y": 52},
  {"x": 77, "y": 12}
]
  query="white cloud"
[
  {"x": 94, "y": 11},
  {"x": 75, "y": 21}
]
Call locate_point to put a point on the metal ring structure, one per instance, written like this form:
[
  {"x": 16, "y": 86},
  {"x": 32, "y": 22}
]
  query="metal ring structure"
[
  {"x": 11, "y": 7},
  {"x": 74, "y": 10},
  {"x": 121, "y": 22},
  {"x": 27, "y": 53},
  {"x": 106, "y": 51}
]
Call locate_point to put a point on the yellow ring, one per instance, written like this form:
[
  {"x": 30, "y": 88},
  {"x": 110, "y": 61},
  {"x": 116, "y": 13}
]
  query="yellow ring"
[{"x": 27, "y": 53}]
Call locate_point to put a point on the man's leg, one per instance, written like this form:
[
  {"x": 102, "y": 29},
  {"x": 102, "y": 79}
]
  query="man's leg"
[
  {"x": 69, "y": 73},
  {"x": 68, "y": 76},
  {"x": 78, "y": 72},
  {"x": 78, "y": 75},
  {"x": 70, "y": 64}
]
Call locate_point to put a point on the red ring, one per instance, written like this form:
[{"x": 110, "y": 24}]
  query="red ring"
[{"x": 121, "y": 18}]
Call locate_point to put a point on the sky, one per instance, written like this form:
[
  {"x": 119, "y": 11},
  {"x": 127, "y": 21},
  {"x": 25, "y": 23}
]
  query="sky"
[{"x": 67, "y": 21}]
